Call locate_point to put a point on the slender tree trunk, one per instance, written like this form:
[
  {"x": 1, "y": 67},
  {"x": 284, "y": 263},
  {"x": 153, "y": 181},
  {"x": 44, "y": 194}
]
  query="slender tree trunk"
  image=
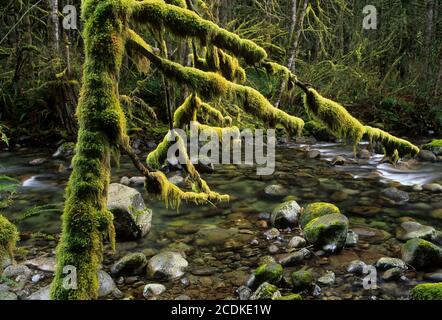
[
  {"x": 296, "y": 26},
  {"x": 54, "y": 28}
]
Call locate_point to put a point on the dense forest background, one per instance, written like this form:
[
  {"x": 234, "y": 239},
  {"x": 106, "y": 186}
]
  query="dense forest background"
[{"x": 390, "y": 77}]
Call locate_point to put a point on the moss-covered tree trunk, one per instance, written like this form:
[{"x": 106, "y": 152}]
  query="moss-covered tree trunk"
[{"x": 101, "y": 128}]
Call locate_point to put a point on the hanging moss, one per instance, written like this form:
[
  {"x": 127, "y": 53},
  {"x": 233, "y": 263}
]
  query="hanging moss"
[
  {"x": 334, "y": 116},
  {"x": 8, "y": 239},
  {"x": 210, "y": 85},
  {"x": 395, "y": 148},
  {"x": 135, "y": 105},
  {"x": 157, "y": 158},
  {"x": 102, "y": 127},
  {"x": 184, "y": 22},
  {"x": 187, "y": 112}
]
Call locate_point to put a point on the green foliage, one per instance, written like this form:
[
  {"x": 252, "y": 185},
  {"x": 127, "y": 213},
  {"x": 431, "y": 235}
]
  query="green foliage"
[
  {"x": 427, "y": 291},
  {"x": 8, "y": 239}
]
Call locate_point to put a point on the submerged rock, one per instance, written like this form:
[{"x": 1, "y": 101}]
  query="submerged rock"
[
  {"x": 426, "y": 155},
  {"x": 208, "y": 237},
  {"x": 302, "y": 280},
  {"x": 395, "y": 195},
  {"x": 410, "y": 229},
  {"x": 352, "y": 239},
  {"x": 328, "y": 232},
  {"x": 152, "y": 290},
  {"x": 296, "y": 243},
  {"x": 386, "y": 263},
  {"x": 285, "y": 215},
  {"x": 276, "y": 191},
  {"x": 421, "y": 254},
  {"x": 356, "y": 267},
  {"x": 271, "y": 273},
  {"x": 129, "y": 265},
  {"x": 327, "y": 279},
  {"x": 132, "y": 219},
  {"x": 434, "y": 146},
  {"x": 65, "y": 151},
  {"x": 169, "y": 265},
  {"x": 294, "y": 259},
  {"x": 393, "y": 274}
]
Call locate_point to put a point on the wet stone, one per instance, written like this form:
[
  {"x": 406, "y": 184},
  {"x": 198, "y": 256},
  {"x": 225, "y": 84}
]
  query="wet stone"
[
  {"x": 393, "y": 274},
  {"x": 410, "y": 230},
  {"x": 356, "y": 267},
  {"x": 386, "y": 263}
]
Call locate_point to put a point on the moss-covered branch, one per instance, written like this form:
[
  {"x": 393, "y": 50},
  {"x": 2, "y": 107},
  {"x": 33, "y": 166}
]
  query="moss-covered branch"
[
  {"x": 184, "y": 22},
  {"x": 210, "y": 85}
]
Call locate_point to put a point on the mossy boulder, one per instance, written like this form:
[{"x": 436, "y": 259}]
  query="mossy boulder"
[
  {"x": 328, "y": 232},
  {"x": 130, "y": 265},
  {"x": 65, "y": 151},
  {"x": 132, "y": 219},
  {"x": 8, "y": 239},
  {"x": 302, "y": 280},
  {"x": 285, "y": 215},
  {"x": 266, "y": 291},
  {"x": 290, "y": 297},
  {"x": 427, "y": 291},
  {"x": 271, "y": 273},
  {"x": 316, "y": 210},
  {"x": 421, "y": 254},
  {"x": 434, "y": 146}
]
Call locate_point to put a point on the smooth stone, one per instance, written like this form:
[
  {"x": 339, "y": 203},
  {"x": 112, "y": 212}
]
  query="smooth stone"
[
  {"x": 271, "y": 273},
  {"x": 170, "y": 265},
  {"x": 285, "y": 215},
  {"x": 276, "y": 190},
  {"x": 410, "y": 230},
  {"x": 176, "y": 180},
  {"x": 393, "y": 274},
  {"x": 426, "y": 155},
  {"x": 42, "y": 263},
  {"x": 137, "y": 182},
  {"x": 243, "y": 293},
  {"x": 434, "y": 276},
  {"x": 207, "y": 237},
  {"x": 314, "y": 154},
  {"x": 153, "y": 290},
  {"x": 294, "y": 259},
  {"x": 297, "y": 242},
  {"x": 272, "y": 234},
  {"x": 371, "y": 235},
  {"x": 125, "y": 181},
  {"x": 338, "y": 161},
  {"x": 129, "y": 265},
  {"x": 386, "y": 263},
  {"x": 266, "y": 291},
  {"x": 396, "y": 195},
  {"x": 106, "y": 285},
  {"x": 132, "y": 219},
  {"x": 302, "y": 280},
  {"x": 38, "y": 162},
  {"x": 364, "y": 154},
  {"x": 432, "y": 187},
  {"x": 42, "y": 294},
  {"x": 437, "y": 213},
  {"x": 328, "y": 232},
  {"x": 356, "y": 267},
  {"x": 327, "y": 279},
  {"x": 65, "y": 151},
  {"x": 18, "y": 270}
]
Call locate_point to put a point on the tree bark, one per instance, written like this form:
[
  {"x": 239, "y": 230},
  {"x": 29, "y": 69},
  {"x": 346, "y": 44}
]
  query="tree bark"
[{"x": 54, "y": 26}]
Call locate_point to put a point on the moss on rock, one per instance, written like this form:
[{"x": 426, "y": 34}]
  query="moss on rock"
[
  {"x": 427, "y": 291},
  {"x": 316, "y": 210},
  {"x": 8, "y": 239},
  {"x": 271, "y": 273},
  {"x": 421, "y": 254},
  {"x": 302, "y": 280}
]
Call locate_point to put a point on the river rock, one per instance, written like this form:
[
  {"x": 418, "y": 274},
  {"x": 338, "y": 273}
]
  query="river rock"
[
  {"x": 386, "y": 263},
  {"x": 132, "y": 219},
  {"x": 38, "y": 162},
  {"x": 296, "y": 243},
  {"x": 432, "y": 187},
  {"x": 316, "y": 210},
  {"x": 276, "y": 191},
  {"x": 426, "y": 155},
  {"x": 435, "y": 146},
  {"x": 328, "y": 232},
  {"x": 356, "y": 267},
  {"x": 17, "y": 272},
  {"x": 266, "y": 291},
  {"x": 106, "y": 285},
  {"x": 271, "y": 273},
  {"x": 295, "y": 258},
  {"x": 302, "y": 280},
  {"x": 421, "y": 254},
  {"x": 170, "y": 265},
  {"x": 434, "y": 276},
  {"x": 130, "y": 265},
  {"x": 364, "y": 154},
  {"x": 42, "y": 263},
  {"x": 327, "y": 279},
  {"x": 285, "y": 215},
  {"x": 396, "y": 195},
  {"x": 207, "y": 237},
  {"x": 272, "y": 234},
  {"x": 352, "y": 239},
  {"x": 243, "y": 293},
  {"x": 152, "y": 290},
  {"x": 393, "y": 274},
  {"x": 41, "y": 294},
  {"x": 338, "y": 161},
  {"x": 410, "y": 229},
  {"x": 314, "y": 154},
  {"x": 65, "y": 151}
]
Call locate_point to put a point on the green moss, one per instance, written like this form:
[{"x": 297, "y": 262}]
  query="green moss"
[
  {"x": 327, "y": 232},
  {"x": 291, "y": 297},
  {"x": 395, "y": 148},
  {"x": 102, "y": 127},
  {"x": 302, "y": 280},
  {"x": 316, "y": 210},
  {"x": 421, "y": 254},
  {"x": 157, "y": 158},
  {"x": 8, "y": 239},
  {"x": 434, "y": 146},
  {"x": 183, "y": 22},
  {"x": 427, "y": 291},
  {"x": 334, "y": 116},
  {"x": 271, "y": 273}
]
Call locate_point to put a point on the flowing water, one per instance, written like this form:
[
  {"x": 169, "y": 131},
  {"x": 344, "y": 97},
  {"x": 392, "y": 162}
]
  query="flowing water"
[{"x": 219, "y": 266}]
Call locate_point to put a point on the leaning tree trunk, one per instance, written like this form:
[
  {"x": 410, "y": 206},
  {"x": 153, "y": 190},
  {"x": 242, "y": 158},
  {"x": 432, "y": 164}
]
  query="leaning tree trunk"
[{"x": 101, "y": 128}]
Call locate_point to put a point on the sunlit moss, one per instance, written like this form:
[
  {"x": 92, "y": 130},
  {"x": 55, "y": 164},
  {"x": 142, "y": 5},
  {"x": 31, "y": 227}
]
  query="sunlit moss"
[
  {"x": 427, "y": 291},
  {"x": 102, "y": 127},
  {"x": 184, "y": 22},
  {"x": 395, "y": 148},
  {"x": 8, "y": 239},
  {"x": 334, "y": 116},
  {"x": 157, "y": 158}
]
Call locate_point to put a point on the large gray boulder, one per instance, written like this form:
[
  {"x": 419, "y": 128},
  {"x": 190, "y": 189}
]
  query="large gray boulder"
[{"x": 132, "y": 219}]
